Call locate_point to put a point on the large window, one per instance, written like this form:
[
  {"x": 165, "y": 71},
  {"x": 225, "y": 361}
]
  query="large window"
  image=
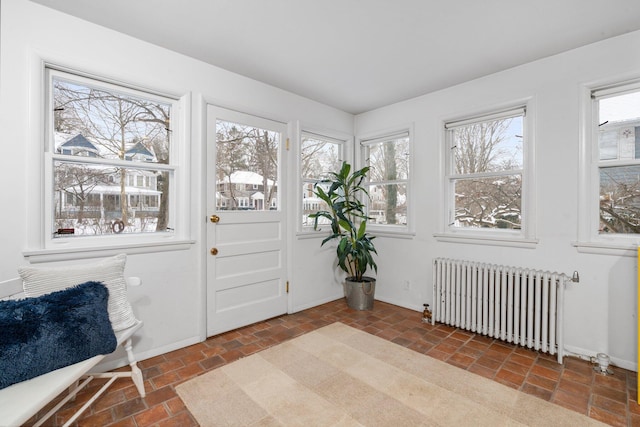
[
  {"x": 109, "y": 153},
  {"x": 485, "y": 170},
  {"x": 617, "y": 132},
  {"x": 319, "y": 154},
  {"x": 389, "y": 178}
]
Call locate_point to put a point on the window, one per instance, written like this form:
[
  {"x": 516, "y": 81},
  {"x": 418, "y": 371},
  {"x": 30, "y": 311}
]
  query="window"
[
  {"x": 319, "y": 155},
  {"x": 388, "y": 158},
  {"x": 617, "y": 133},
  {"x": 103, "y": 142},
  {"x": 485, "y": 173}
]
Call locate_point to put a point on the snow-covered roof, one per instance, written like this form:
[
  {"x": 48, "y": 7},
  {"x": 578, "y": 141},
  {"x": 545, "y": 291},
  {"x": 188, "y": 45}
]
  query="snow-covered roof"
[
  {"x": 139, "y": 150},
  {"x": 247, "y": 177},
  {"x": 78, "y": 141},
  {"x": 115, "y": 189}
]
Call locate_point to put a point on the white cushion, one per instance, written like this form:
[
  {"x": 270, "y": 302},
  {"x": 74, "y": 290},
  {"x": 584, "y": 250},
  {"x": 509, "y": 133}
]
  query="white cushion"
[{"x": 39, "y": 281}]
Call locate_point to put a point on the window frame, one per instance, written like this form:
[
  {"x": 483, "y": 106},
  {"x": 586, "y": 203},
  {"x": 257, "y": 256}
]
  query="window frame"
[
  {"x": 526, "y": 236},
  {"x": 344, "y": 141},
  {"x": 365, "y": 140},
  {"x": 589, "y": 239},
  {"x": 43, "y": 246}
]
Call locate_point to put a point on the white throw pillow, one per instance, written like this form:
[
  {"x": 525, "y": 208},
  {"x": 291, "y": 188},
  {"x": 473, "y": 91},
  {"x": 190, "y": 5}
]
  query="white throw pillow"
[{"x": 39, "y": 281}]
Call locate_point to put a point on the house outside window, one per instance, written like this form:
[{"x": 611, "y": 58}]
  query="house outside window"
[
  {"x": 103, "y": 142},
  {"x": 486, "y": 176},
  {"x": 319, "y": 155},
  {"x": 389, "y": 180}
]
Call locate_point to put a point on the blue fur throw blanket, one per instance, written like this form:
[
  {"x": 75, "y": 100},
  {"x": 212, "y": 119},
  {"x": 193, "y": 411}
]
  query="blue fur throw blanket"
[{"x": 41, "y": 334}]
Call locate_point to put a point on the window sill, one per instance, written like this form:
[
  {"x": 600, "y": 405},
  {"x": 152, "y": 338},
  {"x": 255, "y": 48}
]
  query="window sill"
[
  {"x": 603, "y": 248},
  {"x": 514, "y": 242},
  {"x": 393, "y": 234},
  {"x": 301, "y": 235},
  {"x": 65, "y": 254},
  {"x": 376, "y": 233}
]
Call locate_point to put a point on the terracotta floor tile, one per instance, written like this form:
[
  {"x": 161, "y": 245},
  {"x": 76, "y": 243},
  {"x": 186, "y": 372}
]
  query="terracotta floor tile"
[
  {"x": 573, "y": 385},
  {"x": 482, "y": 371},
  {"x": 521, "y": 359},
  {"x": 489, "y": 362},
  {"x": 461, "y": 360},
  {"x": 607, "y": 417},
  {"x": 576, "y": 402},
  {"x": 151, "y": 416},
  {"x": 609, "y": 405},
  {"x": 541, "y": 382},
  {"x": 512, "y": 377},
  {"x": 536, "y": 391},
  {"x": 515, "y": 367}
]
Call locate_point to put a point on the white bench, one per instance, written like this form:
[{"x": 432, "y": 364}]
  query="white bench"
[{"x": 19, "y": 402}]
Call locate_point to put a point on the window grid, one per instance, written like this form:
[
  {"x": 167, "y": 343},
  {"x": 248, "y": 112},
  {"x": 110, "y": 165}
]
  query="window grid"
[
  {"x": 319, "y": 155},
  {"x": 389, "y": 159},
  {"x": 485, "y": 172},
  {"x": 103, "y": 167},
  {"x": 616, "y": 136}
]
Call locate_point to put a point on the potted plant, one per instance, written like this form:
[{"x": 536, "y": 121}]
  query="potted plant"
[{"x": 348, "y": 220}]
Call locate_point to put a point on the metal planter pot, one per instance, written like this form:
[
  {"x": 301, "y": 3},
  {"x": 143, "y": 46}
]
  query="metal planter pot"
[{"x": 360, "y": 295}]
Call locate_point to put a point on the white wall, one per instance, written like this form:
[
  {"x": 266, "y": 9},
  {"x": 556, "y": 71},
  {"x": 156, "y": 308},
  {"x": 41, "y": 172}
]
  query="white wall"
[
  {"x": 601, "y": 309},
  {"x": 171, "y": 300}
]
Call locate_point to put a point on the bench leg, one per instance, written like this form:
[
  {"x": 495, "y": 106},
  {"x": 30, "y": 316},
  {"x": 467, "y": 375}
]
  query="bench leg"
[{"x": 136, "y": 373}]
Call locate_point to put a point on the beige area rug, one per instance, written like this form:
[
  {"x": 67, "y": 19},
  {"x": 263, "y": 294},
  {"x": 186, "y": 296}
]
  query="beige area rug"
[{"x": 340, "y": 376}]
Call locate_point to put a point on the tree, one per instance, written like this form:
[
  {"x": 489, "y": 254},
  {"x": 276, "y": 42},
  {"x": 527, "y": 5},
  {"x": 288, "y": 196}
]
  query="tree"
[
  {"x": 78, "y": 181},
  {"x": 478, "y": 146},
  {"x": 231, "y": 155},
  {"x": 389, "y": 164},
  {"x": 620, "y": 200},
  {"x": 489, "y": 190}
]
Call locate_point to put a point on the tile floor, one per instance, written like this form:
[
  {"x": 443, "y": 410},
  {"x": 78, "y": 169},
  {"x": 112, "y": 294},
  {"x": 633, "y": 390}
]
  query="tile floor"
[{"x": 573, "y": 385}]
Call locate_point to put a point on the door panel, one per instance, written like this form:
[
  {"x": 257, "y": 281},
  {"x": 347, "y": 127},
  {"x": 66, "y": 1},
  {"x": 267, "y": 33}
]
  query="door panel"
[{"x": 246, "y": 278}]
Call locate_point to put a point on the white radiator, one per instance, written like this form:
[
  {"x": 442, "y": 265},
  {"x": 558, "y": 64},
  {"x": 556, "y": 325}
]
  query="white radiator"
[{"x": 516, "y": 305}]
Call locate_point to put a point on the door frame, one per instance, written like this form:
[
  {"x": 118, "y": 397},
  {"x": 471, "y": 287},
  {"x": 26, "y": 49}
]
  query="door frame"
[{"x": 287, "y": 174}]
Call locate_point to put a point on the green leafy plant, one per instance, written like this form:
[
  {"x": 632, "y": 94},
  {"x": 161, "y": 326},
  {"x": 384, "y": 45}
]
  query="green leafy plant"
[{"x": 348, "y": 220}]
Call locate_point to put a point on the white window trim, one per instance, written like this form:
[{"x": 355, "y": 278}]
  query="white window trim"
[
  {"x": 347, "y": 154},
  {"x": 368, "y": 138},
  {"x": 41, "y": 247},
  {"x": 589, "y": 240},
  {"x": 526, "y": 236}
]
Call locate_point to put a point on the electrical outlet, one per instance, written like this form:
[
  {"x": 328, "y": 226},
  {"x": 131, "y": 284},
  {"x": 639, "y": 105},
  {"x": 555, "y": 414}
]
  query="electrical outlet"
[{"x": 407, "y": 285}]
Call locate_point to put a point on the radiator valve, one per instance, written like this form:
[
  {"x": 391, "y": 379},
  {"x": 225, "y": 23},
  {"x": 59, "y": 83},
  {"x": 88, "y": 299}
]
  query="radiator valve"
[{"x": 426, "y": 314}]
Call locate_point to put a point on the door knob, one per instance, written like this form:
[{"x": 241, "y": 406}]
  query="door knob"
[
  {"x": 214, "y": 251},
  {"x": 214, "y": 218}
]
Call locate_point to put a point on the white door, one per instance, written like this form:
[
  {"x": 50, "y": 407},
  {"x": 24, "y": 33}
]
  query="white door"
[{"x": 246, "y": 231}]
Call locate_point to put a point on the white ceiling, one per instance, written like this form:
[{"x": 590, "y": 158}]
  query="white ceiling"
[{"x": 357, "y": 55}]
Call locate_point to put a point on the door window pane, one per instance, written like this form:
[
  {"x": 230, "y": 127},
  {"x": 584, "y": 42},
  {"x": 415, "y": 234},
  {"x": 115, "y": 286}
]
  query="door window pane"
[{"x": 246, "y": 167}]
